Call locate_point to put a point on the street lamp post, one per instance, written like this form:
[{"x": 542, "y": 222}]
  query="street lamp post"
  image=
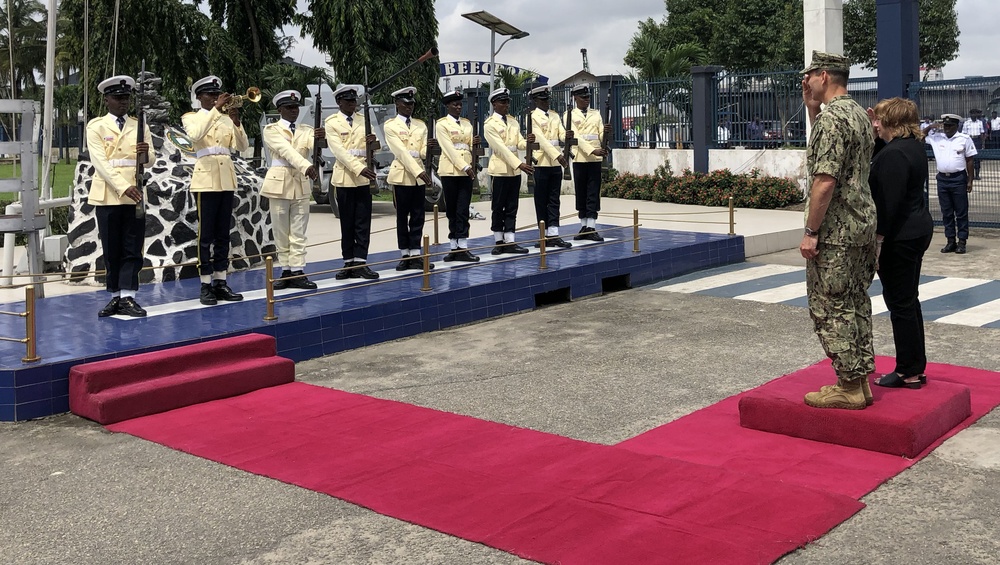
[{"x": 495, "y": 25}]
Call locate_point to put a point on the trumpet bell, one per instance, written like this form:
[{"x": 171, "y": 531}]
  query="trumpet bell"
[{"x": 236, "y": 101}]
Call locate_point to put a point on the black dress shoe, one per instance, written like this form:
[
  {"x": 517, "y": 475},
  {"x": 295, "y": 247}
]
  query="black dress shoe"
[
  {"x": 364, "y": 272},
  {"x": 949, "y": 247},
  {"x": 129, "y": 307},
  {"x": 450, "y": 257},
  {"x": 207, "y": 295},
  {"x": 301, "y": 282},
  {"x": 593, "y": 235},
  {"x": 960, "y": 247},
  {"x": 499, "y": 248},
  {"x": 558, "y": 242},
  {"x": 465, "y": 256},
  {"x": 515, "y": 248},
  {"x": 345, "y": 273},
  {"x": 282, "y": 283},
  {"x": 404, "y": 264},
  {"x": 223, "y": 292},
  {"x": 110, "y": 309},
  {"x": 582, "y": 236}
]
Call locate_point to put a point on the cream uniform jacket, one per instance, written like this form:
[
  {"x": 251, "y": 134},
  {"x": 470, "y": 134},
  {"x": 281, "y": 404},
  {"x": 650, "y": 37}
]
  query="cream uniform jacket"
[
  {"x": 213, "y": 134},
  {"x": 347, "y": 143},
  {"x": 504, "y": 139},
  {"x": 588, "y": 129},
  {"x": 112, "y": 152},
  {"x": 455, "y": 139},
  {"x": 549, "y": 132},
  {"x": 290, "y": 159},
  {"x": 408, "y": 145}
]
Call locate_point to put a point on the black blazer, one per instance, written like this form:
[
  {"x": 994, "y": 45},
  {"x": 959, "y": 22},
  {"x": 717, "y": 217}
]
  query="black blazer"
[{"x": 897, "y": 178}]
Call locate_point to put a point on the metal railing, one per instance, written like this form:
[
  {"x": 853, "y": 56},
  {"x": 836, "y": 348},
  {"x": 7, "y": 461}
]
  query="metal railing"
[{"x": 29, "y": 341}]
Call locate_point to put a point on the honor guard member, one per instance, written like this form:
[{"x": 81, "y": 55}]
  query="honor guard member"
[
  {"x": 287, "y": 186},
  {"x": 407, "y": 139},
  {"x": 503, "y": 134},
  {"x": 455, "y": 136},
  {"x": 589, "y": 131},
  {"x": 953, "y": 154},
  {"x": 114, "y": 195},
  {"x": 345, "y": 136},
  {"x": 214, "y": 135},
  {"x": 549, "y": 161}
]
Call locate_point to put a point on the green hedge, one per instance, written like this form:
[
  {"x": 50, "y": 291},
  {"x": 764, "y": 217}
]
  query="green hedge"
[{"x": 752, "y": 190}]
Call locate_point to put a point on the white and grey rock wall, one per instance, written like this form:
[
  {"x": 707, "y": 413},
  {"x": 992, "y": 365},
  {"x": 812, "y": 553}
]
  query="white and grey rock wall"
[{"x": 171, "y": 217}]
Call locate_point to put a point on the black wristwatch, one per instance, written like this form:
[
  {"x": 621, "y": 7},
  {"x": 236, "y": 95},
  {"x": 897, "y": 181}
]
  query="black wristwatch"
[{"x": 811, "y": 232}]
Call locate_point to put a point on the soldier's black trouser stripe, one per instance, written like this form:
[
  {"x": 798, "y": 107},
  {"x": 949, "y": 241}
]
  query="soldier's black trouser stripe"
[
  {"x": 587, "y": 183},
  {"x": 122, "y": 236},
  {"x": 506, "y": 197},
  {"x": 355, "y": 203},
  {"x": 548, "y": 185},
  {"x": 215, "y": 220},
  {"x": 457, "y": 198}
]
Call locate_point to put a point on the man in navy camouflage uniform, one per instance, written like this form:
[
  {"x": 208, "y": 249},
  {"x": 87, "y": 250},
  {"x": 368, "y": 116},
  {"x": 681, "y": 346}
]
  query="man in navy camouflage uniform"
[{"x": 839, "y": 240}]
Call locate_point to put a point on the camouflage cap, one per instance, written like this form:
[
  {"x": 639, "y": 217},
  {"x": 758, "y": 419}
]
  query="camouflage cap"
[{"x": 828, "y": 62}]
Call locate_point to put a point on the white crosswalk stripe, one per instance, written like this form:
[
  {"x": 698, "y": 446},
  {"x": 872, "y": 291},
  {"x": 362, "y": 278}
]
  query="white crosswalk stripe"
[
  {"x": 724, "y": 279},
  {"x": 933, "y": 289}
]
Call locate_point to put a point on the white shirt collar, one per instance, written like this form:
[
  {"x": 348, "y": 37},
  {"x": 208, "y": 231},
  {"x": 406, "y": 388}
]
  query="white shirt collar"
[
  {"x": 403, "y": 118},
  {"x": 285, "y": 123}
]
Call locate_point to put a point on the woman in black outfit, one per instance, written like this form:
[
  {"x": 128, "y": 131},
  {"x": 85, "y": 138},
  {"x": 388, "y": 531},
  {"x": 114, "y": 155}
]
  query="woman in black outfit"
[{"x": 903, "y": 232}]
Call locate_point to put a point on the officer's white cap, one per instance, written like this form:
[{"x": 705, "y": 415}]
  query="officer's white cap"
[
  {"x": 348, "y": 92},
  {"x": 121, "y": 84},
  {"x": 500, "y": 94},
  {"x": 540, "y": 91},
  {"x": 406, "y": 93},
  {"x": 287, "y": 98},
  {"x": 211, "y": 84}
]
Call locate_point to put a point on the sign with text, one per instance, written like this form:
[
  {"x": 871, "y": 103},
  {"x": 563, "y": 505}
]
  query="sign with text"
[{"x": 454, "y": 68}]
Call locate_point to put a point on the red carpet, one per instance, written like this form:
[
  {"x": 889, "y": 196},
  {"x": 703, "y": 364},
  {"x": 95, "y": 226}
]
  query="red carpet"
[
  {"x": 713, "y": 436},
  {"x": 537, "y": 495}
]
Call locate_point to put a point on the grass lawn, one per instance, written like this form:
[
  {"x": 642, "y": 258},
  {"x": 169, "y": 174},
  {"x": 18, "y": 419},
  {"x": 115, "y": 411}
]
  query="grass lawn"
[{"x": 62, "y": 178}]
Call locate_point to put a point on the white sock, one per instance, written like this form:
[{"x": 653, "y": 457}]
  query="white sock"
[
  {"x": 551, "y": 232},
  {"x": 416, "y": 252},
  {"x": 219, "y": 276},
  {"x": 117, "y": 294},
  {"x": 404, "y": 252},
  {"x": 128, "y": 294},
  {"x": 206, "y": 279},
  {"x": 498, "y": 236},
  {"x": 454, "y": 244},
  {"x": 360, "y": 261},
  {"x": 463, "y": 243},
  {"x": 508, "y": 237}
]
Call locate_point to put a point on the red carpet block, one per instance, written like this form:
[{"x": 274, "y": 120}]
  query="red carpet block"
[
  {"x": 138, "y": 385},
  {"x": 901, "y": 422}
]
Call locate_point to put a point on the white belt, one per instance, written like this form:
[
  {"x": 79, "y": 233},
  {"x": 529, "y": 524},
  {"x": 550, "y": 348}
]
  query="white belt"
[
  {"x": 122, "y": 162},
  {"x": 279, "y": 163},
  {"x": 512, "y": 147},
  {"x": 215, "y": 150},
  {"x": 554, "y": 142},
  {"x": 590, "y": 137},
  {"x": 414, "y": 154},
  {"x": 462, "y": 146},
  {"x": 357, "y": 152}
]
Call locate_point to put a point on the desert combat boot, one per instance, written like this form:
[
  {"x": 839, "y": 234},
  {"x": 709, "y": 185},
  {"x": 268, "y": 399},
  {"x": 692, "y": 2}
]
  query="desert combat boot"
[{"x": 848, "y": 395}]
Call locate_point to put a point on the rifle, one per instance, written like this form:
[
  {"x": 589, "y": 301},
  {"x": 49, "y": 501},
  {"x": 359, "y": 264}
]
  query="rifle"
[
  {"x": 605, "y": 143},
  {"x": 141, "y": 158},
  {"x": 530, "y": 148},
  {"x": 431, "y": 152},
  {"x": 369, "y": 147},
  {"x": 477, "y": 148},
  {"x": 569, "y": 143},
  {"x": 318, "y": 144}
]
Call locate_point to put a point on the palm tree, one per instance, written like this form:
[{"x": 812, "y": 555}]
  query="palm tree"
[{"x": 23, "y": 41}]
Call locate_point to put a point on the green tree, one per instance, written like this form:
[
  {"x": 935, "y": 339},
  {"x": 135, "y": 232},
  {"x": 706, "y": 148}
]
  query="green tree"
[
  {"x": 382, "y": 36},
  {"x": 24, "y": 41},
  {"x": 938, "y": 31}
]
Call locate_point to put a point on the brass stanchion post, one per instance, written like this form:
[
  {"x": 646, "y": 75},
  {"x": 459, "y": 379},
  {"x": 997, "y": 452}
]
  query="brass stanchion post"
[
  {"x": 427, "y": 265},
  {"x": 269, "y": 288},
  {"x": 31, "y": 355},
  {"x": 635, "y": 230},
  {"x": 732, "y": 217},
  {"x": 542, "y": 264},
  {"x": 436, "y": 241}
]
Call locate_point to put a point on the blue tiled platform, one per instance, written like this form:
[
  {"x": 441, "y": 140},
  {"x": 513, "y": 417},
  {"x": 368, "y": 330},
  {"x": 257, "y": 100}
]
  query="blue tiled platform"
[{"x": 70, "y": 333}]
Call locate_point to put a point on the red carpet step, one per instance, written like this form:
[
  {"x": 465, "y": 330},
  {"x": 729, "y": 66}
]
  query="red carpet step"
[
  {"x": 900, "y": 422},
  {"x": 138, "y": 385}
]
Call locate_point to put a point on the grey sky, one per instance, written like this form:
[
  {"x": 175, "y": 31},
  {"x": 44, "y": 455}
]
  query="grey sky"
[{"x": 559, "y": 28}]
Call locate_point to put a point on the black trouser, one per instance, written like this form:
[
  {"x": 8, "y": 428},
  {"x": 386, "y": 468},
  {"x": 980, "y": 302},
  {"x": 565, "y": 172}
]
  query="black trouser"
[
  {"x": 953, "y": 196},
  {"x": 506, "y": 197},
  {"x": 457, "y": 198},
  {"x": 409, "y": 215},
  {"x": 978, "y": 142},
  {"x": 587, "y": 183},
  {"x": 122, "y": 236},
  {"x": 995, "y": 139},
  {"x": 548, "y": 185},
  {"x": 899, "y": 271},
  {"x": 355, "y": 203},
  {"x": 215, "y": 220}
]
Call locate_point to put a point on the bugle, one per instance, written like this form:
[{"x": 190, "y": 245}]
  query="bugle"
[{"x": 237, "y": 100}]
